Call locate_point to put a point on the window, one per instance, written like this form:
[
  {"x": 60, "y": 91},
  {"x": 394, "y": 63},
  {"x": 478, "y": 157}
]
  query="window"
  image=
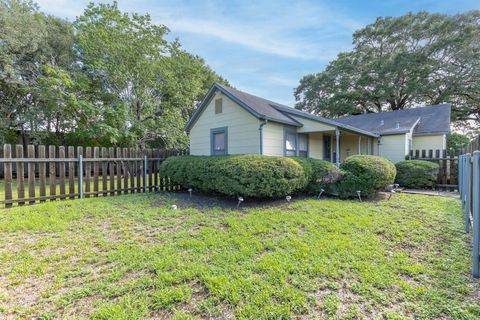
[
  {"x": 327, "y": 147},
  {"x": 290, "y": 143},
  {"x": 218, "y": 141},
  {"x": 303, "y": 145},
  {"x": 218, "y": 105}
]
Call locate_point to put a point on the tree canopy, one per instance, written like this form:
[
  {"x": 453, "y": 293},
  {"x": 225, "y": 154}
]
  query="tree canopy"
[
  {"x": 109, "y": 78},
  {"x": 401, "y": 62}
]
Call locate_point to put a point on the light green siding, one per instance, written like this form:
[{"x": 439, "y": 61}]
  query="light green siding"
[
  {"x": 312, "y": 126},
  {"x": 243, "y": 134},
  {"x": 315, "y": 145},
  {"x": 273, "y": 139},
  {"x": 393, "y": 147},
  {"x": 427, "y": 142}
]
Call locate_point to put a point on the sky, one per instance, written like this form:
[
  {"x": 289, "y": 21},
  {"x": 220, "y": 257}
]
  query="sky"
[{"x": 265, "y": 47}]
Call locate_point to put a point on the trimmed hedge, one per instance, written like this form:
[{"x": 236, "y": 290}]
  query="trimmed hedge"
[
  {"x": 238, "y": 175},
  {"x": 365, "y": 173},
  {"x": 319, "y": 174},
  {"x": 417, "y": 173}
]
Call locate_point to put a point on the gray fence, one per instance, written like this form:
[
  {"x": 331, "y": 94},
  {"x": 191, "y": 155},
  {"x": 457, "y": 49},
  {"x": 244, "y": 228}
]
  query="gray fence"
[{"x": 469, "y": 187}]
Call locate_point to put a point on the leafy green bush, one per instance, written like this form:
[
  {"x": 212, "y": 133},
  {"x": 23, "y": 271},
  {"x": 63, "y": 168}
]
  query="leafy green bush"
[
  {"x": 416, "y": 173},
  {"x": 365, "y": 173},
  {"x": 242, "y": 175},
  {"x": 319, "y": 174}
]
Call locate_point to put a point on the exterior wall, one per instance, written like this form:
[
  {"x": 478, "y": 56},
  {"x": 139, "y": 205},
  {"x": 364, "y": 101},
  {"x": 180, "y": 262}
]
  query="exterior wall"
[
  {"x": 394, "y": 147},
  {"x": 243, "y": 134},
  {"x": 427, "y": 142},
  {"x": 311, "y": 126},
  {"x": 273, "y": 138},
  {"x": 315, "y": 145}
]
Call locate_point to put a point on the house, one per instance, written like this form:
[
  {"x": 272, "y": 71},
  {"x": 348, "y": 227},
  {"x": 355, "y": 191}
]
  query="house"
[{"x": 229, "y": 121}]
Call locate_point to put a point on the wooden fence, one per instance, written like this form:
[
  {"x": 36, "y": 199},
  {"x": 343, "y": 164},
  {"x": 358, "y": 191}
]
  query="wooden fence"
[
  {"x": 40, "y": 173},
  {"x": 448, "y": 165}
]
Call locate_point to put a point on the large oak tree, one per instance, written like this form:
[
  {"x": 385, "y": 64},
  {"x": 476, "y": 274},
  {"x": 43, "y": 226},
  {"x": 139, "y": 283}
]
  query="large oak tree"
[{"x": 400, "y": 62}]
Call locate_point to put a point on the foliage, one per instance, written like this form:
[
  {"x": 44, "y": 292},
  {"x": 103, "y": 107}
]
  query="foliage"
[
  {"x": 133, "y": 257},
  {"x": 365, "y": 173},
  {"x": 111, "y": 78},
  {"x": 456, "y": 141},
  {"x": 400, "y": 62},
  {"x": 416, "y": 173},
  {"x": 319, "y": 174},
  {"x": 243, "y": 175}
]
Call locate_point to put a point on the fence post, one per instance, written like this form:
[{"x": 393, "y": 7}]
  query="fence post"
[
  {"x": 144, "y": 174},
  {"x": 476, "y": 214},
  {"x": 80, "y": 176},
  {"x": 467, "y": 192},
  {"x": 7, "y": 150},
  {"x": 460, "y": 177}
]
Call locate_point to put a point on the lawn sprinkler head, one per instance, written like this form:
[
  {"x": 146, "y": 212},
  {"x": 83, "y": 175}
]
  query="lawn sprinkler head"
[
  {"x": 359, "y": 195},
  {"x": 240, "y": 200},
  {"x": 190, "y": 190},
  {"x": 391, "y": 194},
  {"x": 174, "y": 206},
  {"x": 288, "y": 198},
  {"x": 320, "y": 194}
]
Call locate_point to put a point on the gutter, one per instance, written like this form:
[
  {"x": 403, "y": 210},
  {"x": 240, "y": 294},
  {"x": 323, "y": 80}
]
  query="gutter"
[{"x": 260, "y": 128}]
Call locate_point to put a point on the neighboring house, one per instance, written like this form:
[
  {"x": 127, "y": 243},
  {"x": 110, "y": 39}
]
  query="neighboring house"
[{"x": 229, "y": 121}]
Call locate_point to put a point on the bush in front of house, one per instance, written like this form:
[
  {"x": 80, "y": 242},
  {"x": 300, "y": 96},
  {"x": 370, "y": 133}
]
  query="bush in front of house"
[
  {"x": 416, "y": 174},
  {"x": 365, "y": 173},
  {"x": 320, "y": 174},
  {"x": 237, "y": 175}
]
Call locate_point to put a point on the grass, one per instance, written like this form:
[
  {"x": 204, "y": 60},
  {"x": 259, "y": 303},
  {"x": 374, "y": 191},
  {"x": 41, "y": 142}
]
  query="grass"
[{"x": 132, "y": 256}]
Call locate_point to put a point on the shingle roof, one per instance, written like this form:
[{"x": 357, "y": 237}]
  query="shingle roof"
[
  {"x": 429, "y": 119},
  {"x": 266, "y": 109}
]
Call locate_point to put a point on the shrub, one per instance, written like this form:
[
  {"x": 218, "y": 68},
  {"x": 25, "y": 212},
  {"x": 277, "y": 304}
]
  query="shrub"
[
  {"x": 365, "y": 173},
  {"x": 242, "y": 175},
  {"x": 416, "y": 173},
  {"x": 319, "y": 174}
]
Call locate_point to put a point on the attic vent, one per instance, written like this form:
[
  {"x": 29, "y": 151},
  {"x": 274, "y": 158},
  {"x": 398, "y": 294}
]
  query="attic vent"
[
  {"x": 382, "y": 122},
  {"x": 397, "y": 124}
]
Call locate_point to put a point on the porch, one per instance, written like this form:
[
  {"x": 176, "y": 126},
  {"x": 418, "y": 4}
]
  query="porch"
[{"x": 336, "y": 145}]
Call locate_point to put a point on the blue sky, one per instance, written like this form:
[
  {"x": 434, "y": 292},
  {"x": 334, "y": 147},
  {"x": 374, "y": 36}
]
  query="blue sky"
[{"x": 265, "y": 47}]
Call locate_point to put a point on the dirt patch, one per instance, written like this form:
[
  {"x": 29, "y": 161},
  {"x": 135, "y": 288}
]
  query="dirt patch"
[{"x": 204, "y": 202}]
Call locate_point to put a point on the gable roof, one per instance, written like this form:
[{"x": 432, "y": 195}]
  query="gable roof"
[
  {"x": 425, "y": 120},
  {"x": 266, "y": 110}
]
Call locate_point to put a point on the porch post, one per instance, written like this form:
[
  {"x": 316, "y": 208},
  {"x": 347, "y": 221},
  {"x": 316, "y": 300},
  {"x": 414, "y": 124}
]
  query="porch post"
[
  {"x": 337, "y": 146},
  {"x": 359, "y": 145}
]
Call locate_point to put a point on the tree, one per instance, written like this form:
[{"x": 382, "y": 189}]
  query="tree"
[
  {"x": 151, "y": 85},
  {"x": 457, "y": 140},
  {"x": 397, "y": 63},
  {"x": 29, "y": 40}
]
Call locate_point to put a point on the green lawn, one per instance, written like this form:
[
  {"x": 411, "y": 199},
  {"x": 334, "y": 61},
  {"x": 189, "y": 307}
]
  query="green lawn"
[{"x": 132, "y": 256}]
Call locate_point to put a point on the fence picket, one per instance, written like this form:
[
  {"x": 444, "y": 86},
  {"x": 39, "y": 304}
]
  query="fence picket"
[
  {"x": 61, "y": 173},
  {"x": 7, "y": 151},
  {"x": 111, "y": 169},
  {"x": 52, "y": 173},
  {"x": 71, "y": 172},
  {"x": 88, "y": 170},
  {"x": 31, "y": 174},
  {"x": 42, "y": 173},
  {"x": 20, "y": 175},
  {"x": 119, "y": 166},
  {"x": 80, "y": 173},
  {"x": 95, "y": 171}
]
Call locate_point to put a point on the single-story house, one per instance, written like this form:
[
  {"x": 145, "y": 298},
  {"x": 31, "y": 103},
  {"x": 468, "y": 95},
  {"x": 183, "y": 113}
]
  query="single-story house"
[{"x": 229, "y": 121}]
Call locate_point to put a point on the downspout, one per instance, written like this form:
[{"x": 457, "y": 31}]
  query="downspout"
[
  {"x": 260, "y": 128},
  {"x": 337, "y": 146}
]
